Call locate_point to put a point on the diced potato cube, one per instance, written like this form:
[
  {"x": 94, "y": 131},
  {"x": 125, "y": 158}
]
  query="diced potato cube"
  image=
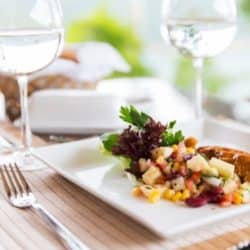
[
  {"x": 144, "y": 164},
  {"x": 167, "y": 184},
  {"x": 245, "y": 196},
  {"x": 229, "y": 186},
  {"x": 178, "y": 184},
  {"x": 225, "y": 169},
  {"x": 168, "y": 151},
  {"x": 245, "y": 186},
  {"x": 151, "y": 175},
  {"x": 213, "y": 181},
  {"x": 210, "y": 172},
  {"x": 167, "y": 169},
  {"x": 197, "y": 164},
  {"x": 164, "y": 152}
]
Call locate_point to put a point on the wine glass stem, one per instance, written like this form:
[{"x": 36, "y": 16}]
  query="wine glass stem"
[
  {"x": 25, "y": 123},
  {"x": 198, "y": 66}
]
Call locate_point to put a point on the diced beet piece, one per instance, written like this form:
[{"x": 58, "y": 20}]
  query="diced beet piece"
[
  {"x": 172, "y": 176},
  {"x": 174, "y": 155},
  {"x": 214, "y": 195},
  {"x": 214, "y": 198},
  {"x": 217, "y": 190},
  {"x": 198, "y": 201}
]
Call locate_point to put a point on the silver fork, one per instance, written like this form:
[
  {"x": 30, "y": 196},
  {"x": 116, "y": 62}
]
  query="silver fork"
[{"x": 20, "y": 195}]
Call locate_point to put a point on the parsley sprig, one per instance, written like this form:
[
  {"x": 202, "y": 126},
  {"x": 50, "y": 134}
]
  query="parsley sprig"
[
  {"x": 109, "y": 141},
  {"x": 170, "y": 137},
  {"x": 132, "y": 116}
]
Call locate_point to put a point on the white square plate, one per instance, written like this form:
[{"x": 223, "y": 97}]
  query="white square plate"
[{"x": 82, "y": 163}]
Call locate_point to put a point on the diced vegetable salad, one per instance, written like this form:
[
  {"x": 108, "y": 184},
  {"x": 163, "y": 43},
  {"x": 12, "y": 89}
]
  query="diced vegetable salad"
[{"x": 168, "y": 166}]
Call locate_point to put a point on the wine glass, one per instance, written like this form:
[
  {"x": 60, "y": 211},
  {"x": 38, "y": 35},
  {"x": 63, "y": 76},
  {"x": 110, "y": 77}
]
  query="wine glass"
[
  {"x": 199, "y": 29},
  {"x": 31, "y": 37}
]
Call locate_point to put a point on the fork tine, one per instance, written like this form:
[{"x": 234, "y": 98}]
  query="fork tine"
[
  {"x": 10, "y": 180},
  {"x": 5, "y": 183},
  {"x": 17, "y": 181},
  {"x": 22, "y": 179}
]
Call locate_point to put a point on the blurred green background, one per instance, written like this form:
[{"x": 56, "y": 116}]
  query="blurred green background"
[{"x": 133, "y": 27}]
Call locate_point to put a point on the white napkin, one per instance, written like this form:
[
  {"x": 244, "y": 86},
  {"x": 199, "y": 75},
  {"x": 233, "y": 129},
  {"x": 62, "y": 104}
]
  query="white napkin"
[
  {"x": 96, "y": 61},
  {"x": 60, "y": 67}
]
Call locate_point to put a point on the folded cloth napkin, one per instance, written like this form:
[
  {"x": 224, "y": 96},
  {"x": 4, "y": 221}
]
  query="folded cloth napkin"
[{"x": 94, "y": 61}]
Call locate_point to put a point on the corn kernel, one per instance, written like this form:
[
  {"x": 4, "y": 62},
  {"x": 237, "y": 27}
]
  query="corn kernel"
[
  {"x": 168, "y": 195},
  {"x": 190, "y": 150},
  {"x": 154, "y": 196},
  {"x": 185, "y": 195},
  {"x": 175, "y": 147},
  {"x": 237, "y": 198},
  {"x": 136, "y": 192},
  {"x": 177, "y": 197}
]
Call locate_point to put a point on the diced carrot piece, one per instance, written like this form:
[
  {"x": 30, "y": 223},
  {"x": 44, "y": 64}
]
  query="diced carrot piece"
[
  {"x": 225, "y": 204},
  {"x": 189, "y": 183},
  {"x": 228, "y": 197},
  {"x": 196, "y": 176},
  {"x": 137, "y": 192}
]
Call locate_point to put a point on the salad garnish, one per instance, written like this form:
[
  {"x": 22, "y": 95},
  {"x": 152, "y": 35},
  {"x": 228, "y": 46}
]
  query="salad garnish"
[{"x": 170, "y": 166}]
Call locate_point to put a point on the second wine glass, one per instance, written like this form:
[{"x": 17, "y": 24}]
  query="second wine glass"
[
  {"x": 199, "y": 29},
  {"x": 31, "y": 37}
]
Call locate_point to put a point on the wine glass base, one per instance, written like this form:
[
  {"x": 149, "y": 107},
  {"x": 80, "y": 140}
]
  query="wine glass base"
[{"x": 27, "y": 162}]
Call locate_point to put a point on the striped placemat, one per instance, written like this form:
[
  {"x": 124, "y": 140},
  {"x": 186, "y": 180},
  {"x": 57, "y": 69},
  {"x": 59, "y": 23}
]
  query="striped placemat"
[{"x": 96, "y": 223}]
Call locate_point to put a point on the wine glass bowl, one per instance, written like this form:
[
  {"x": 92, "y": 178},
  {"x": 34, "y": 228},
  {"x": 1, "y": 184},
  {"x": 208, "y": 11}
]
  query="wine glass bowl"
[
  {"x": 196, "y": 39},
  {"x": 31, "y": 37},
  {"x": 24, "y": 52},
  {"x": 199, "y": 29}
]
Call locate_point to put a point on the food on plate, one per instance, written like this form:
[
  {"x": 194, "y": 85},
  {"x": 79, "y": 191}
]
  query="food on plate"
[{"x": 169, "y": 166}]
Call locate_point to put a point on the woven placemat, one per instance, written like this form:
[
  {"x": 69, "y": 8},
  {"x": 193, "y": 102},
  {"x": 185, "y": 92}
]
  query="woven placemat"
[{"x": 209, "y": 232}]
